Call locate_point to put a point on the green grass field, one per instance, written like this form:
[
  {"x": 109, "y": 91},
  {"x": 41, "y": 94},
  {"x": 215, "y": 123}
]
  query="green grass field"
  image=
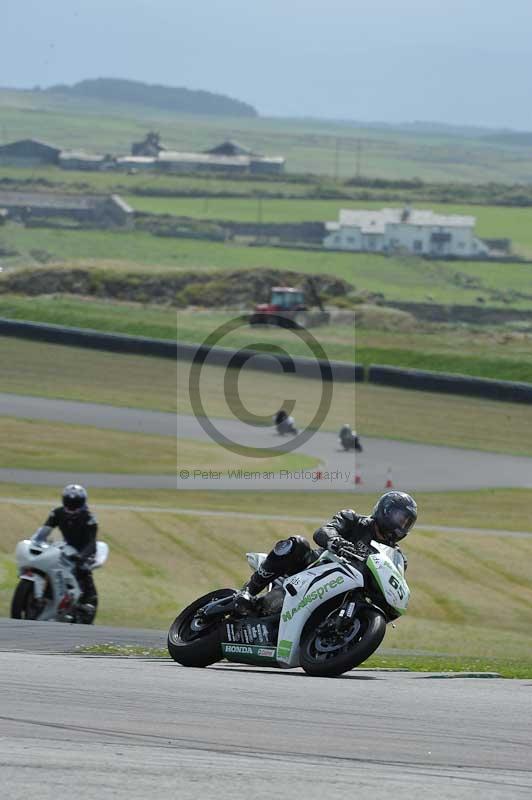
[
  {"x": 489, "y": 509},
  {"x": 397, "y": 278},
  {"x": 32, "y": 444},
  {"x": 46, "y": 370},
  {"x": 294, "y": 186},
  {"x": 376, "y": 337},
  {"x": 50, "y": 176},
  {"x": 467, "y": 601},
  {"x": 309, "y": 145}
]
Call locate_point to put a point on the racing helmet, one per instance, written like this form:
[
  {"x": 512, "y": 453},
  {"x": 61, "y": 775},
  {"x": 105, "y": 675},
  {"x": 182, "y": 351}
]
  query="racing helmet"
[
  {"x": 395, "y": 513},
  {"x": 74, "y": 498}
]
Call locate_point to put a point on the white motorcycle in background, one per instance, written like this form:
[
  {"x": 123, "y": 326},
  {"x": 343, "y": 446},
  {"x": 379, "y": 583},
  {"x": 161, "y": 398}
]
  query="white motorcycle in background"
[
  {"x": 48, "y": 588},
  {"x": 327, "y": 619}
]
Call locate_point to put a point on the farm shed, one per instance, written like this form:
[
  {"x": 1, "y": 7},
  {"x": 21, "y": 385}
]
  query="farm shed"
[
  {"x": 26, "y": 152},
  {"x": 69, "y": 159},
  {"x": 100, "y": 210}
]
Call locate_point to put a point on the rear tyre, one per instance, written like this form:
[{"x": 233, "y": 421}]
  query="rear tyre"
[
  {"x": 23, "y": 604},
  {"x": 192, "y": 644},
  {"x": 329, "y": 653}
]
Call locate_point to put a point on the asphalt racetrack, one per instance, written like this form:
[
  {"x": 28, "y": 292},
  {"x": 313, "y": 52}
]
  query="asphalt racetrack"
[
  {"x": 414, "y": 467},
  {"x": 107, "y": 727}
]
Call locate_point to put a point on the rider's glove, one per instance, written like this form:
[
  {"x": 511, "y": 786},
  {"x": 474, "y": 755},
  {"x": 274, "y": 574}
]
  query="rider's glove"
[
  {"x": 244, "y": 602},
  {"x": 342, "y": 547}
]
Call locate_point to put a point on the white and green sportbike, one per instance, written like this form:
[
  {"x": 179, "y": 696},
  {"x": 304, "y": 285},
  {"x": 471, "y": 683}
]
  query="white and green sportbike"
[{"x": 326, "y": 619}]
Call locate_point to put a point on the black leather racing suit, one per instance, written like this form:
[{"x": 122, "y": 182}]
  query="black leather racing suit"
[
  {"x": 295, "y": 553},
  {"x": 79, "y": 530},
  {"x": 358, "y": 529}
]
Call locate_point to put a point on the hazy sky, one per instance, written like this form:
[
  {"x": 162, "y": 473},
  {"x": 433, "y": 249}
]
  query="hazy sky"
[{"x": 455, "y": 61}]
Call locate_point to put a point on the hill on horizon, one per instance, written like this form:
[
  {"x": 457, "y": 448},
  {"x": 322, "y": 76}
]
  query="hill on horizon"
[{"x": 167, "y": 98}]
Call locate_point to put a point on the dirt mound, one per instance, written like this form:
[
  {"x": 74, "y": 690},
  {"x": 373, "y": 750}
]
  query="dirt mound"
[{"x": 240, "y": 288}]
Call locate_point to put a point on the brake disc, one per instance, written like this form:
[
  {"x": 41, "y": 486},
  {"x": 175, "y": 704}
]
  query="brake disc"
[{"x": 328, "y": 645}]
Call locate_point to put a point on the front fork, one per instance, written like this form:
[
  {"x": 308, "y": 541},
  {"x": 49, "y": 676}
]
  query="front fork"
[
  {"x": 39, "y": 583},
  {"x": 345, "y": 615},
  {"x": 349, "y": 609}
]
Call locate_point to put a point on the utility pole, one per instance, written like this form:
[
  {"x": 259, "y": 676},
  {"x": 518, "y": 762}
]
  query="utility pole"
[{"x": 358, "y": 157}]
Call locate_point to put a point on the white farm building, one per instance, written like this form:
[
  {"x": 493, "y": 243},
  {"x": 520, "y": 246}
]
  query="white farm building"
[{"x": 392, "y": 230}]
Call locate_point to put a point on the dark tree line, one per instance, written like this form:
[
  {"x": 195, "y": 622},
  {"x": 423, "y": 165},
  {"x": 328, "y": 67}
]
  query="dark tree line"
[{"x": 155, "y": 96}]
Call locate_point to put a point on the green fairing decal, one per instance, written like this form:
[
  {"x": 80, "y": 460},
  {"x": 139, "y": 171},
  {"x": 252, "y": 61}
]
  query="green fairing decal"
[
  {"x": 311, "y": 597},
  {"x": 284, "y": 649}
]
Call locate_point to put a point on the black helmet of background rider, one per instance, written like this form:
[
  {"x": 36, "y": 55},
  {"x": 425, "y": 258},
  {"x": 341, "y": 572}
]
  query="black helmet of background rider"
[
  {"x": 395, "y": 513},
  {"x": 74, "y": 498}
]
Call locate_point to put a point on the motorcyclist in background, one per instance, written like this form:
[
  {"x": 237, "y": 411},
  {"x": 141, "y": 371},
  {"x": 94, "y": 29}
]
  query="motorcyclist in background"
[
  {"x": 79, "y": 528},
  {"x": 347, "y": 534},
  {"x": 284, "y": 422},
  {"x": 280, "y": 416},
  {"x": 349, "y": 438}
]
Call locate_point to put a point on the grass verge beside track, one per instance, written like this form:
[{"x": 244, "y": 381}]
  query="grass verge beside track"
[
  {"x": 31, "y": 444},
  {"x": 386, "y": 338},
  {"x": 453, "y": 666},
  {"x": 47, "y": 370},
  {"x": 493, "y": 509},
  {"x": 488, "y": 352}
]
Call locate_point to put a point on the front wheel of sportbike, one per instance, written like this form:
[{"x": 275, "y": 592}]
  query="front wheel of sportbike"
[
  {"x": 24, "y": 605},
  {"x": 193, "y": 641},
  {"x": 328, "y": 652}
]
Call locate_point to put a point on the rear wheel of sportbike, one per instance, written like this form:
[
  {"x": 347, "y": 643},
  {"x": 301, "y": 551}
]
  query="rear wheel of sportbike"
[
  {"x": 194, "y": 642},
  {"x": 328, "y": 652},
  {"x": 24, "y": 605}
]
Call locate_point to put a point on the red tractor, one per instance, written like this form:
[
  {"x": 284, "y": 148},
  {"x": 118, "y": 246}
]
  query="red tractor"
[{"x": 287, "y": 309}]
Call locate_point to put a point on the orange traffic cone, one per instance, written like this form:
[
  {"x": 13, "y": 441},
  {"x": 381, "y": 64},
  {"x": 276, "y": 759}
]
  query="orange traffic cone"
[{"x": 389, "y": 484}]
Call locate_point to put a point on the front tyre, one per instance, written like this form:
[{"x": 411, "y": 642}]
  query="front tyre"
[
  {"x": 24, "y": 605},
  {"x": 327, "y": 652},
  {"x": 194, "y": 643}
]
